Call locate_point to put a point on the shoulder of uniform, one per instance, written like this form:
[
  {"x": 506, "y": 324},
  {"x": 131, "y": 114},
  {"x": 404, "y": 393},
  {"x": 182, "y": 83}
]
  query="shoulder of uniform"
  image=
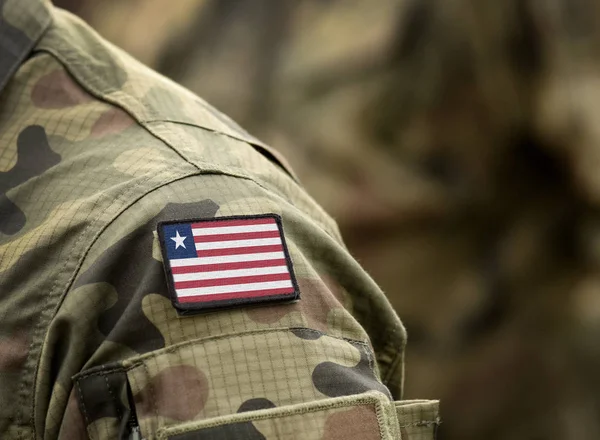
[{"x": 151, "y": 99}]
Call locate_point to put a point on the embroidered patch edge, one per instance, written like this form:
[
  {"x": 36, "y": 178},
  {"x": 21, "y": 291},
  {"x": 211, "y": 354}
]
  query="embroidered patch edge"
[{"x": 190, "y": 308}]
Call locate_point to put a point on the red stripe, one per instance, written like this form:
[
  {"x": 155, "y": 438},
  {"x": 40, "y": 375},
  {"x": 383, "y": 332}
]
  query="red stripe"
[
  {"x": 232, "y": 281},
  {"x": 228, "y": 266},
  {"x": 244, "y": 222},
  {"x": 241, "y": 236},
  {"x": 225, "y": 296},
  {"x": 239, "y": 251}
]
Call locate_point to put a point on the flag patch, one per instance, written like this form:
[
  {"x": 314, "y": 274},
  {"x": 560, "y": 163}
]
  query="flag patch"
[{"x": 226, "y": 262}]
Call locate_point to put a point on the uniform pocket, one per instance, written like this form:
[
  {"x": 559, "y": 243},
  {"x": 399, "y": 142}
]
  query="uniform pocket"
[
  {"x": 368, "y": 416},
  {"x": 230, "y": 376}
]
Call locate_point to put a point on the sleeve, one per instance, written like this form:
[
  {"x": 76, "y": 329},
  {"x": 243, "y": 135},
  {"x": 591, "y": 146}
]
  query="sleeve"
[{"x": 308, "y": 365}]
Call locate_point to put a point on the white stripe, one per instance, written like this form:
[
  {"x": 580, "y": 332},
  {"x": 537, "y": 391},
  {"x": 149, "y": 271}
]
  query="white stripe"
[
  {"x": 218, "y": 274},
  {"x": 237, "y": 243},
  {"x": 234, "y": 229},
  {"x": 183, "y": 262},
  {"x": 233, "y": 288}
]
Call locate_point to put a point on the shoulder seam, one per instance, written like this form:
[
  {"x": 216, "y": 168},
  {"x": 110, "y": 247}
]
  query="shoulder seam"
[
  {"x": 146, "y": 123},
  {"x": 99, "y": 86},
  {"x": 103, "y": 97}
]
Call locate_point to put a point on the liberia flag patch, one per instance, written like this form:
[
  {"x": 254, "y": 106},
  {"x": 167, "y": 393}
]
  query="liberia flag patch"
[{"x": 226, "y": 262}]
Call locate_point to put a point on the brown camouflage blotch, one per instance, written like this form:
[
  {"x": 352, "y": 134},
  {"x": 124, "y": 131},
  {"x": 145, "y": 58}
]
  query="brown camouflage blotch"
[
  {"x": 58, "y": 90},
  {"x": 73, "y": 425},
  {"x": 316, "y": 301},
  {"x": 270, "y": 315},
  {"x": 112, "y": 121},
  {"x": 13, "y": 351},
  {"x": 359, "y": 422},
  {"x": 178, "y": 393}
]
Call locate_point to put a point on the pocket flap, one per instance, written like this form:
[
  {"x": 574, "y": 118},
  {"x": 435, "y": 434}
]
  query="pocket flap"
[
  {"x": 418, "y": 419},
  {"x": 368, "y": 416}
]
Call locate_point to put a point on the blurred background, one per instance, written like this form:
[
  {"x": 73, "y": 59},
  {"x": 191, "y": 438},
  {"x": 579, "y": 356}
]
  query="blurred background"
[{"x": 456, "y": 144}]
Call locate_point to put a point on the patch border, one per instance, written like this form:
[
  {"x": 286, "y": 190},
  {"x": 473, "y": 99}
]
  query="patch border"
[{"x": 184, "y": 309}]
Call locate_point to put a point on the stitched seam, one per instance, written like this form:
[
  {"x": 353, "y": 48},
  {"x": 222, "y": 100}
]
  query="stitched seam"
[
  {"x": 152, "y": 396},
  {"x": 190, "y": 307},
  {"x": 143, "y": 123},
  {"x": 85, "y": 414},
  {"x": 84, "y": 375},
  {"x": 269, "y": 414},
  {"x": 393, "y": 366},
  {"x": 112, "y": 396},
  {"x": 66, "y": 62},
  {"x": 38, "y": 328},
  {"x": 370, "y": 360},
  {"x": 176, "y": 347},
  {"x": 380, "y": 420},
  {"x": 248, "y": 140},
  {"x": 117, "y": 199}
]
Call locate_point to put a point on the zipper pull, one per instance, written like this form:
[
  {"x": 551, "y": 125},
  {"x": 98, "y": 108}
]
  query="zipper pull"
[{"x": 135, "y": 433}]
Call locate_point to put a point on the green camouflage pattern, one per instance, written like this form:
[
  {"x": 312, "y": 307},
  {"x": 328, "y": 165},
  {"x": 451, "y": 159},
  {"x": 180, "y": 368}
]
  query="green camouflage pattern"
[
  {"x": 95, "y": 150},
  {"x": 370, "y": 416},
  {"x": 455, "y": 144}
]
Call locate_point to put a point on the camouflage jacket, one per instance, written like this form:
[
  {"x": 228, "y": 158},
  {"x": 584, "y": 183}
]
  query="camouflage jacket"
[{"x": 95, "y": 150}]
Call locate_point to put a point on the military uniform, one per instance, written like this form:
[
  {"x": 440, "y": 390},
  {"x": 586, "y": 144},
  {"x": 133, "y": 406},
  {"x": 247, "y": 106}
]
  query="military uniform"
[{"x": 96, "y": 151}]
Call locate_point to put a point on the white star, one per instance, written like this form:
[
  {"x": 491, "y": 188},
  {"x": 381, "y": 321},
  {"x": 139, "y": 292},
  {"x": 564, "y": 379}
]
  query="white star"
[{"x": 178, "y": 239}]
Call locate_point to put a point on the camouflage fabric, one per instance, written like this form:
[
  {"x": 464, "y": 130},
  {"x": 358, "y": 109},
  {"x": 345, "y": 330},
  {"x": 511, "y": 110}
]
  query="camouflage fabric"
[
  {"x": 95, "y": 150},
  {"x": 368, "y": 417},
  {"x": 455, "y": 144}
]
